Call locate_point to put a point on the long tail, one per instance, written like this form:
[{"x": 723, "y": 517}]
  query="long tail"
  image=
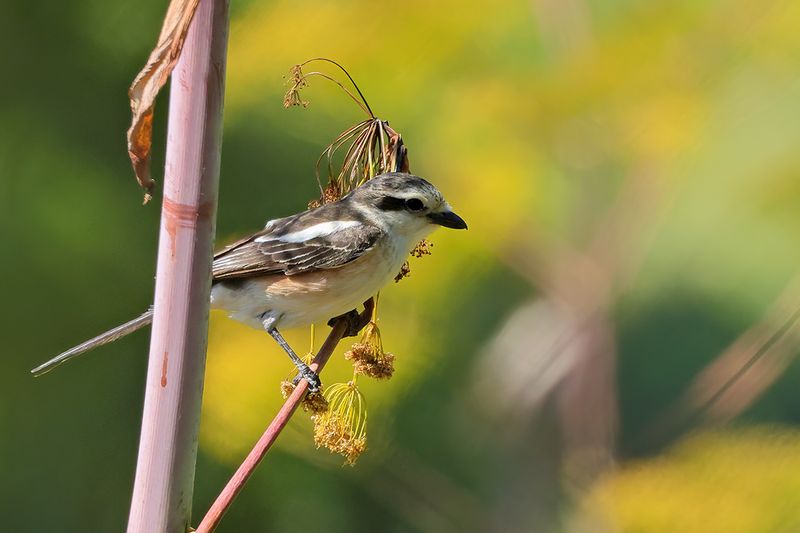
[{"x": 104, "y": 338}]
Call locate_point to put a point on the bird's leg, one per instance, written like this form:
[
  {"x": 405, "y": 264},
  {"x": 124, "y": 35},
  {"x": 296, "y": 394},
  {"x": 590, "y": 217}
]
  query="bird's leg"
[
  {"x": 309, "y": 375},
  {"x": 355, "y": 320}
]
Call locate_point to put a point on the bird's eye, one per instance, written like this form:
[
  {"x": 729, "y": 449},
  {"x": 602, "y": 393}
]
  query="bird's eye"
[{"x": 414, "y": 204}]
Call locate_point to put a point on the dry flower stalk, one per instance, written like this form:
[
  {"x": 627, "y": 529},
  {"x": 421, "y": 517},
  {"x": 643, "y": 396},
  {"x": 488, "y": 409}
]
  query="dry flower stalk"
[
  {"x": 299, "y": 80},
  {"x": 373, "y": 147}
]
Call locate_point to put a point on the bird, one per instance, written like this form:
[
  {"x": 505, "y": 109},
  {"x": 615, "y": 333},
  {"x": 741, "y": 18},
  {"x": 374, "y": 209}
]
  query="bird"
[{"x": 314, "y": 265}]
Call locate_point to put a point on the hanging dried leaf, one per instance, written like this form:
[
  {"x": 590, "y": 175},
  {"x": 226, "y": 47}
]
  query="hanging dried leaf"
[{"x": 148, "y": 83}]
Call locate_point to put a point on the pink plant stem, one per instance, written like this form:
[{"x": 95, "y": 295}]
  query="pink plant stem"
[
  {"x": 162, "y": 492},
  {"x": 248, "y": 466}
]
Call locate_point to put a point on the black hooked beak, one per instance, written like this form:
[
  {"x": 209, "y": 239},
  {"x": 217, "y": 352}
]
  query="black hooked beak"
[{"x": 448, "y": 219}]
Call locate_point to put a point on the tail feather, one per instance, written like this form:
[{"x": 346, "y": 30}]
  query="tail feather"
[{"x": 104, "y": 338}]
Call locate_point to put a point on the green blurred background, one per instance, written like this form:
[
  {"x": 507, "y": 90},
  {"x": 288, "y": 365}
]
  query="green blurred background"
[{"x": 631, "y": 176}]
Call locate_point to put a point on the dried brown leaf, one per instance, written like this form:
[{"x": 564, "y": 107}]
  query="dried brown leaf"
[{"x": 148, "y": 83}]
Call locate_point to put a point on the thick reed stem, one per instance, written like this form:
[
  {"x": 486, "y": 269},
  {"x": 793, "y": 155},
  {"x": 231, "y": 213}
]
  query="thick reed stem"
[{"x": 162, "y": 493}]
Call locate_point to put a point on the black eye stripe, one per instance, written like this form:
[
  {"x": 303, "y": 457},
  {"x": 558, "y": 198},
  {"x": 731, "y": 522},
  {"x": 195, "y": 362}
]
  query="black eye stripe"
[{"x": 389, "y": 203}]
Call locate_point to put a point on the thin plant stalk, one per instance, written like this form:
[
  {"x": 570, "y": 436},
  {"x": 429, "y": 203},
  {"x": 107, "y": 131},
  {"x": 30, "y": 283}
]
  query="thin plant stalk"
[
  {"x": 163, "y": 486},
  {"x": 270, "y": 435},
  {"x": 349, "y": 77}
]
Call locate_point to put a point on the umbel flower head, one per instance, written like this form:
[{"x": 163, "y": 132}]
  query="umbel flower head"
[
  {"x": 368, "y": 356},
  {"x": 343, "y": 427}
]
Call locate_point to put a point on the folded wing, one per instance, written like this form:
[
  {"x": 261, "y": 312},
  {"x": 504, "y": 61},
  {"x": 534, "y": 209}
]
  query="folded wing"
[{"x": 292, "y": 245}]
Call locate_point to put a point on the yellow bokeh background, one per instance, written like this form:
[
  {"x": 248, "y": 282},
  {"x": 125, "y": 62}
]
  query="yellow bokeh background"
[{"x": 630, "y": 174}]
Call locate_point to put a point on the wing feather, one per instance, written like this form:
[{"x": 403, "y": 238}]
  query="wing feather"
[{"x": 265, "y": 252}]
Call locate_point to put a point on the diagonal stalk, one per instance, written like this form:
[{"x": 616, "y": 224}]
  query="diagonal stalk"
[{"x": 270, "y": 435}]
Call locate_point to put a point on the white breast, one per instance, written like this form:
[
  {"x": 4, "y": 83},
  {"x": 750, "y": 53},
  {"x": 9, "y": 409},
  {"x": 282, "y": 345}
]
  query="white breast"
[{"x": 312, "y": 297}]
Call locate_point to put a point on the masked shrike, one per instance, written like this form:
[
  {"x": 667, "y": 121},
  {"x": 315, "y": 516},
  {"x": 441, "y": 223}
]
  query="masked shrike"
[{"x": 318, "y": 264}]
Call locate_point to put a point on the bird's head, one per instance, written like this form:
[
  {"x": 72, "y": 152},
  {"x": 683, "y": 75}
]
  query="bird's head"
[{"x": 406, "y": 204}]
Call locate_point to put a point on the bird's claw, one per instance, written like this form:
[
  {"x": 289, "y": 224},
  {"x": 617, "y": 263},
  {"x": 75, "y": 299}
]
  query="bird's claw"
[
  {"x": 355, "y": 321},
  {"x": 314, "y": 383}
]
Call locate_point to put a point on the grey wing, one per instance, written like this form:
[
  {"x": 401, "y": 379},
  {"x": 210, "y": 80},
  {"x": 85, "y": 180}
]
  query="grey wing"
[{"x": 275, "y": 250}]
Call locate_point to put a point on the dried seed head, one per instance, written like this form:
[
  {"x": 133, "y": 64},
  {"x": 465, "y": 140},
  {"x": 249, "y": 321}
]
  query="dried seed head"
[
  {"x": 287, "y": 388},
  {"x": 405, "y": 271},
  {"x": 423, "y": 247},
  {"x": 343, "y": 427},
  {"x": 296, "y": 82},
  {"x": 331, "y": 193},
  {"x": 370, "y": 148},
  {"x": 380, "y": 367},
  {"x": 368, "y": 356},
  {"x": 292, "y": 98},
  {"x": 315, "y": 403}
]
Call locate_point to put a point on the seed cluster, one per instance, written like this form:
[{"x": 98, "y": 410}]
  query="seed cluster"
[
  {"x": 368, "y": 356},
  {"x": 343, "y": 427}
]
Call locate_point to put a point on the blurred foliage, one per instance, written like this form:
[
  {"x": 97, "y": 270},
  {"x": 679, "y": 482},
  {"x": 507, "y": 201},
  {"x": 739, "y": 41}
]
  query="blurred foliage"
[
  {"x": 737, "y": 480},
  {"x": 534, "y": 118}
]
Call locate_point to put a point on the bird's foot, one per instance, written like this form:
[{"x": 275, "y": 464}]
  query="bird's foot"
[
  {"x": 355, "y": 320},
  {"x": 314, "y": 383}
]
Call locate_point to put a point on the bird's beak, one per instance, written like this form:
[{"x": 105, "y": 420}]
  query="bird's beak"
[{"x": 448, "y": 219}]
